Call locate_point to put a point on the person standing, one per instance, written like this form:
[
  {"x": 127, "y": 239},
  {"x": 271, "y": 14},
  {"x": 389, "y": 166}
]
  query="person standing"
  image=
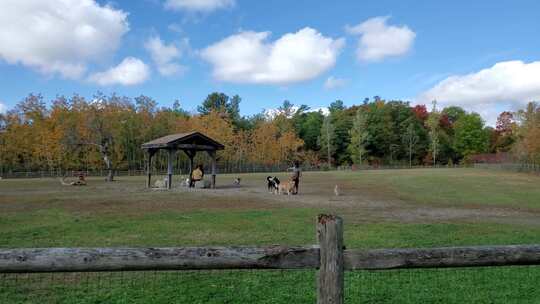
[{"x": 296, "y": 176}]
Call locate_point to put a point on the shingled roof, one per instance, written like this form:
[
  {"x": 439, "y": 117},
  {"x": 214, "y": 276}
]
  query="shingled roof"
[{"x": 183, "y": 140}]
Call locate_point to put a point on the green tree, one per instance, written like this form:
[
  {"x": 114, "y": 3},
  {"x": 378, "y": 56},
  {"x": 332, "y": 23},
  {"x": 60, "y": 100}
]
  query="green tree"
[
  {"x": 336, "y": 106},
  {"x": 454, "y": 113},
  {"x": 470, "y": 136},
  {"x": 410, "y": 139},
  {"x": 308, "y": 126},
  {"x": 214, "y": 102},
  {"x": 359, "y": 136},
  {"x": 434, "y": 131},
  {"x": 342, "y": 121},
  {"x": 223, "y": 104},
  {"x": 327, "y": 139},
  {"x": 287, "y": 109}
]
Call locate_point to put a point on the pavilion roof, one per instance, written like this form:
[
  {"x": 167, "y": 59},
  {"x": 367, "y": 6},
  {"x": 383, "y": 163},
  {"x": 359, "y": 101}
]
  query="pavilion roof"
[{"x": 184, "y": 141}]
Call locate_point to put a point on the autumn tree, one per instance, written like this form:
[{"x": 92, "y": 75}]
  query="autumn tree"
[
  {"x": 528, "y": 133},
  {"x": 271, "y": 147},
  {"x": 421, "y": 112},
  {"x": 504, "y": 133}
]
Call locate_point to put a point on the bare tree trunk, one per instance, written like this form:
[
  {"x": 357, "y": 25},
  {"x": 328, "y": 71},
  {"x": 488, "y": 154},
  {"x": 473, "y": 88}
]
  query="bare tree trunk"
[
  {"x": 108, "y": 163},
  {"x": 328, "y": 146},
  {"x": 434, "y": 156},
  {"x": 410, "y": 156}
]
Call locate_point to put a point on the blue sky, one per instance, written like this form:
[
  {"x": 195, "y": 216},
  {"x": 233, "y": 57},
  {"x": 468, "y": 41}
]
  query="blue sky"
[{"x": 482, "y": 55}]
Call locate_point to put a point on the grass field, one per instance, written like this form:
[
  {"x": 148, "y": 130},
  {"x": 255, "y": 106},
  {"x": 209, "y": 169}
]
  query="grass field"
[{"x": 385, "y": 208}]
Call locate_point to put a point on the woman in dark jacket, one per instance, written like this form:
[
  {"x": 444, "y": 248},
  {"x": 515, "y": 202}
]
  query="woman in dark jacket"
[{"x": 295, "y": 177}]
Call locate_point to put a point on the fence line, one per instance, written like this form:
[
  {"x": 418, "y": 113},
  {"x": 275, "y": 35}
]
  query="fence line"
[
  {"x": 515, "y": 167},
  {"x": 329, "y": 257},
  {"x": 221, "y": 170},
  {"x": 176, "y": 171}
]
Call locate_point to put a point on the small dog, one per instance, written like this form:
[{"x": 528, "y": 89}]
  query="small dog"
[
  {"x": 161, "y": 183},
  {"x": 185, "y": 182},
  {"x": 286, "y": 187},
  {"x": 237, "y": 181},
  {"x": 336, "y": 190},
  {"x": 273, "y": 184}
]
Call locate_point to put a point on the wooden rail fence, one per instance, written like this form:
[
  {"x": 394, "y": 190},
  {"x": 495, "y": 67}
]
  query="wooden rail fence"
[{"x": 330, "y": 257}]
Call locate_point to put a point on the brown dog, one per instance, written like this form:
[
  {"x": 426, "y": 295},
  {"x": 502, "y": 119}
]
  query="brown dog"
[{"x": 286, "y": 187}]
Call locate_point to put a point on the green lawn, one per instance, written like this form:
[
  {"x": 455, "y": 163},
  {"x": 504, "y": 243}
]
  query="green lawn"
[
  {"x": 387, "y": 208},
  {"x": 454, "y": 187}
]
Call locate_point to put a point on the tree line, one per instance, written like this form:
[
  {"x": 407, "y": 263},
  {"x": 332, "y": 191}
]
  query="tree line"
[{"x": 106, "y": 132}]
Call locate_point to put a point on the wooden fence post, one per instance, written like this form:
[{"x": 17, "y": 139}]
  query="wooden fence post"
[{"x": 330, "y": 285}]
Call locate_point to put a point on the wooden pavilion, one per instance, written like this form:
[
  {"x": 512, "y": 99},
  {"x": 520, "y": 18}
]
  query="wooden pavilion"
[{"x": 190, "y": 143}]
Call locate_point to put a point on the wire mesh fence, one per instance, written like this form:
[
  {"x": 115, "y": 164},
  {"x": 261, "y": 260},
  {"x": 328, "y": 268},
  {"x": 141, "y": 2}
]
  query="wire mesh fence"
[
  {"x": 212, "y": 286},
  {"x": 516, "y": 284},
  {"x": 511, "y": 167},
  {"x": 221, "y": 169}
]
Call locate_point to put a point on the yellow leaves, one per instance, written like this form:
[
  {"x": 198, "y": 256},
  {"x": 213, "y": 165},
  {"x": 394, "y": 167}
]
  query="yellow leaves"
[
  {"x": 214, "y": 125},
  {"x": 528, "y": 133},
  {"x": 270, "y": 147},
  {"x": 531, "y": 141},
  {"x": 70, "y": 134}
]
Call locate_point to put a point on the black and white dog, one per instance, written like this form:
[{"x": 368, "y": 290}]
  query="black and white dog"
[{"x": 273, "y": 184}]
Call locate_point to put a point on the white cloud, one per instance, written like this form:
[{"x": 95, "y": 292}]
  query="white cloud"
[
  {"x": 379, "y": 40},
  {"x": 334, "y": 83},
  {"x": 198, "y": 5},
  {"x": 248, "y": 57},
  {"x": 131, "y": 71},
  {"x": 175, "y": 27},
  {"x": 3, "y": 108},
  {"x": 164, "y": 56},
  {"x": 59, "y": 36},
  {"x": 272, "y": 112},
  {"x": 324, "y": 110},
  {"x": 509, "y": 85}
]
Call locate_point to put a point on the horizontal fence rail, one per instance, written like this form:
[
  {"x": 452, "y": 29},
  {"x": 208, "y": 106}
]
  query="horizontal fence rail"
[
  {"x": 330, "y": 257},
  {"x": 272, "y": 257},
  {"x": 136, "y": 259},
  {"x": 380, "y": 259}
]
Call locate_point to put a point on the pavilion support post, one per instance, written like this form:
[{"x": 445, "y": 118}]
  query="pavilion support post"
[
  {"x": 213, "y": 156},
  {"x": 151, "y": 153},
  {"x": 191, "y": 155},
  {"x": 170, "y": 168}
]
